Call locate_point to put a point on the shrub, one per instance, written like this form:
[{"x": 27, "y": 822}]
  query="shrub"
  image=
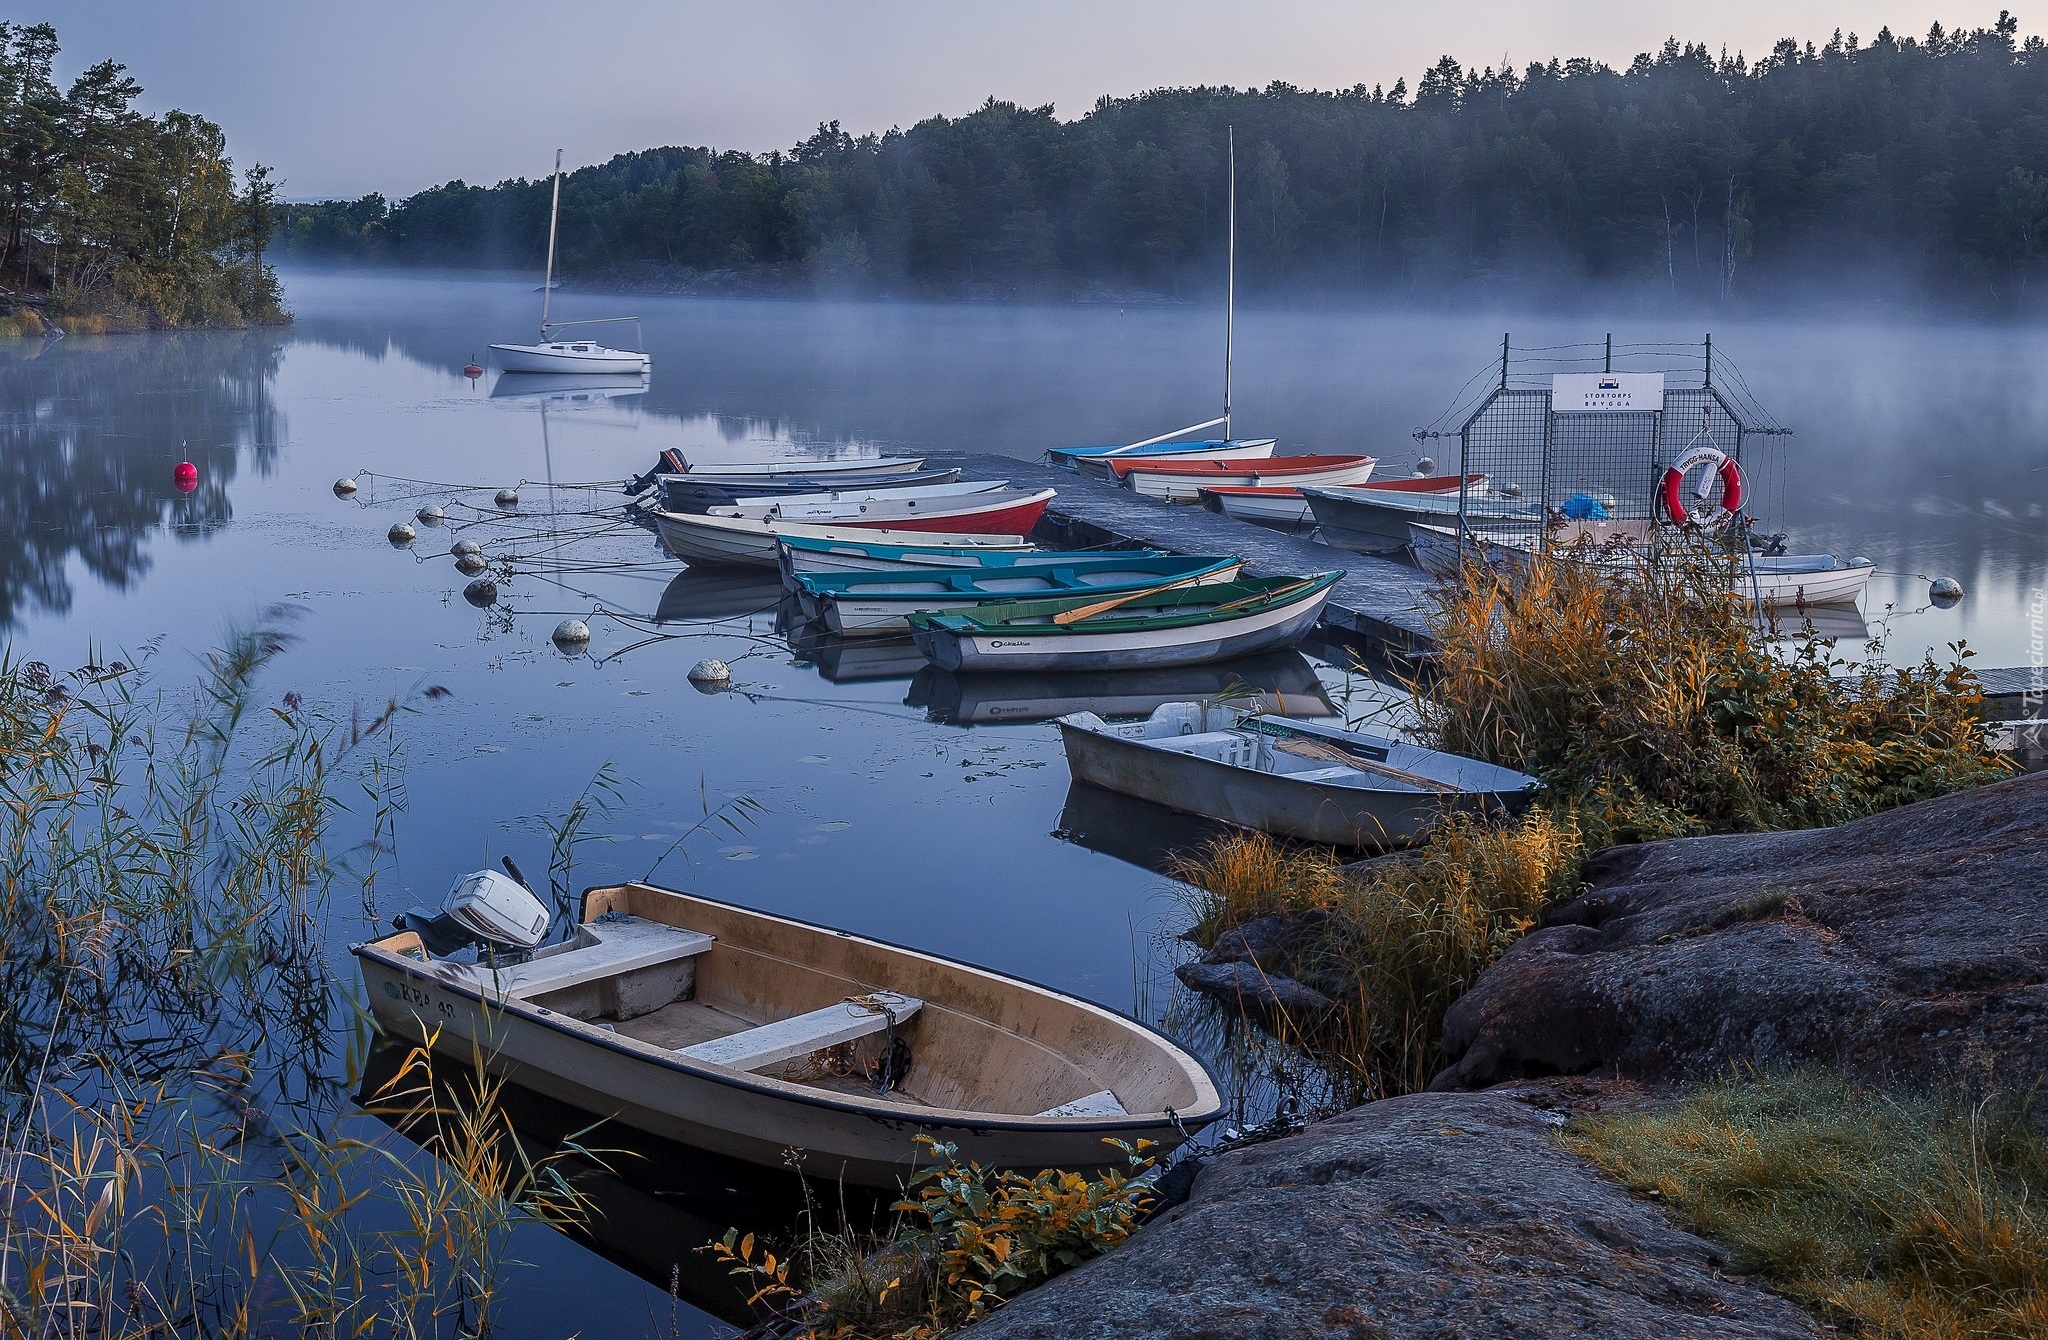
[
  {"x": 1405, "y": 937},
  {"x": 1657, "y": 707}
]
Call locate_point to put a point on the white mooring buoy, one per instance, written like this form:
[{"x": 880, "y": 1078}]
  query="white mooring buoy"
[
  {"x": 400, "y": 535},
  {"x": 1945, "y": 591},
  {"x": 469, "y": 565},
  {"x": 461, "y": 547},
  {"x": 507, "y": 498},
  {"x": 431, "y": 515},
  {"x": 1511, "y": 490},
  {"x": 711, "y": 673},
  {"x": 481, "y": 592},
  {"x": 344, "y": 487},
  {"x": 1425, "y": 466},
  {"x": 571, "y": 636}
]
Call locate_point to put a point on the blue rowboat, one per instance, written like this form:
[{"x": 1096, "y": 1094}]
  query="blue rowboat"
[
  {"x": 802, "y": 554},
  {"x": 1095, "y": 460},
  {"x": 877, "y": 604}
]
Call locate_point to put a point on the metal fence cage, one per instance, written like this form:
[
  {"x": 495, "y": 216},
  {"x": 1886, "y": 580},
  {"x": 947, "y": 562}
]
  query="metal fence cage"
[{"x": 1542, "y": 464}]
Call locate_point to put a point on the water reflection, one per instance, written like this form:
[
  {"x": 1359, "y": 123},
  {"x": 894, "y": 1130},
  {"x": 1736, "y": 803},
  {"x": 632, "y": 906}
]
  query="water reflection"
[
  {"x": 1281, "y": 682},
  {"x": 653, "y": 1202},
  {"x": 706, "y": 594},
  {"x": 89, "y": 432},
  {"x": 567, "y": 388},
  {"x": 1134, "y": 831}
]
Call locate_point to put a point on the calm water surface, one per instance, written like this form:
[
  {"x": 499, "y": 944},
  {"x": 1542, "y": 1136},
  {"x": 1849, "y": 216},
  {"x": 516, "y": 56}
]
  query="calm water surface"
[{"x": 1925, "y": 447}]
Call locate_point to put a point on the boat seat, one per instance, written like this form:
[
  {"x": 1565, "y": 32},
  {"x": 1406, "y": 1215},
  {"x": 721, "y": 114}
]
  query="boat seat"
[
  {"x": 602, "y": 949},
  {"x": 1101, "y": 1103},
  {"x": 787, "y": 1039}
]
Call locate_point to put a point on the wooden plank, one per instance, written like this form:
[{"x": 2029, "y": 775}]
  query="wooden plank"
[
  {"x": 622, "y": 946},
  {"x": 787, "y": 1039}
]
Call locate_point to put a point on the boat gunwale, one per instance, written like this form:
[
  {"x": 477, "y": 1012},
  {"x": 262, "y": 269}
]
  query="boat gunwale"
[
  {"x": 974, "y": 1119},
  {"x": 826, "y": 585}
]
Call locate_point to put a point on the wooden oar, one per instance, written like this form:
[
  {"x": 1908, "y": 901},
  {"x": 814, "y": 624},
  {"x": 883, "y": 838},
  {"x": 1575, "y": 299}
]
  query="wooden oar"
[
  {"x": 1065, "y": 617},
  {"x": 1323, "y": 749}
]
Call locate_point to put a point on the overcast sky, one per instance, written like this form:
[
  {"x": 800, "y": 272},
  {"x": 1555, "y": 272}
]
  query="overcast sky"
[{"x": 342, "y": 97}]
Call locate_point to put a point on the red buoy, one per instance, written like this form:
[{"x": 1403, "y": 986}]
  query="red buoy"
[
  {"x": 472, "y": 370},
  {"x": 186, "y": 476}
]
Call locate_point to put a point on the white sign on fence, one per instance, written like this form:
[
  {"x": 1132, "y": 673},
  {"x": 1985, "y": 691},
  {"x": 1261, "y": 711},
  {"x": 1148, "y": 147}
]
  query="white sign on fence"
[{"x": 1599, "y": 392}]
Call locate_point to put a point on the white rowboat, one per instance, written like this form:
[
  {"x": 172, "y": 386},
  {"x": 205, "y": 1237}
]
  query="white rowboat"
[
  {"x": 750, "y": 1034},
  {"x": 753, "y": 542}
]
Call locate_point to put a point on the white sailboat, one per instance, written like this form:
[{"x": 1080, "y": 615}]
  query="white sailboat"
[{"x": 554, "y": 354}]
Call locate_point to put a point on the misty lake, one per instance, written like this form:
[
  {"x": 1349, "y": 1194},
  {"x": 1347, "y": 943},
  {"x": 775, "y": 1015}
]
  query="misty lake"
[{"x": 887, "y": 808}]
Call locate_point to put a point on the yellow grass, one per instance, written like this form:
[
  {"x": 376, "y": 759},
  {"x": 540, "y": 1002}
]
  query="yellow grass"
[{"x": 1915, "y": 1218}]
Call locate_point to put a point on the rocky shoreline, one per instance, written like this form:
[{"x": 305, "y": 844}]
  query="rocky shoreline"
[{"x": 1905, "y": 948}]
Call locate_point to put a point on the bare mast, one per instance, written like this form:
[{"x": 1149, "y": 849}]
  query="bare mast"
[
  {"x": 547, "y": 290},
  {"x": 1230, "y": 284}
]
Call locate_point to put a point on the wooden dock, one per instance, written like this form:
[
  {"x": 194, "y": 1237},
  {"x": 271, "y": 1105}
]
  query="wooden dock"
[
  {"x": 1379, "y": 607},
  {"x": 1380, "y": 604}
]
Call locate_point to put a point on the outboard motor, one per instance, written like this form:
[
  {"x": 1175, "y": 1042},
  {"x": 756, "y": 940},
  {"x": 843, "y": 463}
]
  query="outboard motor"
[
  {"x": 499, "y": 915},
  {"x": 670, "y": 462}
]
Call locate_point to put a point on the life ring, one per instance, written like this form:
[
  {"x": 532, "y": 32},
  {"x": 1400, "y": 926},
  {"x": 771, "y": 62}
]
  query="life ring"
[{"x": 1673, "y": 483}]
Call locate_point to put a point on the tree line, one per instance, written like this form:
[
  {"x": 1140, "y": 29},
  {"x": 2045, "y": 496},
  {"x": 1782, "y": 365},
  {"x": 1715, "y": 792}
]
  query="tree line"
[
  {"x": 1900, "y": 164},
  {"x": 112, "y": 217}
]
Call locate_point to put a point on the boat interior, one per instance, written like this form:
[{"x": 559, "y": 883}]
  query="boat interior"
[
  {"x": 1306, "y": 752},
  {"x": 783, "y": 1000}
]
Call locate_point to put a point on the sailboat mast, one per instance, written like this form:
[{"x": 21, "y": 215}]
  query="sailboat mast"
[
  {"x": 1230, "y": 284},
  {"x": 547, "y": 291}
]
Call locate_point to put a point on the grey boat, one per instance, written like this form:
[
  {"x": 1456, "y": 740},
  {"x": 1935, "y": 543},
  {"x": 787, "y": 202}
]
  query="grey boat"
[
  {"x": 1293, "y": 779},
  {"x": 1374, "y": 519}
]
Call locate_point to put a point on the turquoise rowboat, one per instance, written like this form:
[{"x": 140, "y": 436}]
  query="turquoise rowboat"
[
  {"x": 877, "y": 604},
  {"x": 805, "y": 554},
  {"x": 1183, "y": 625}
]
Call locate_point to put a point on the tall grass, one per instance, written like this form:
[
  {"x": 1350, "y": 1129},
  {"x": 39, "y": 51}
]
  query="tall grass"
[
  {"x": 1403, "y": 938},
  {"x": 1655, "y": 706},
  {"x": 1911, "y": 1217},
  {"x": 173, "y": 1158}
]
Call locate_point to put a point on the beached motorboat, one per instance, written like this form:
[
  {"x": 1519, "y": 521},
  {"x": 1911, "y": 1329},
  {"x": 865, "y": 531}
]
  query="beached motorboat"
[
  {"x": 1269, "y": 504},
  {"x": 1094, "y": 461},
  {"x": 1373, "y": 518},
  {"x": 874, "y": 604},
  {"x": 1181, "y": 625},
  {"x": 1298, "y": 779},
  {"x": 1770, "y": 581},
  {"x": 998, "y": 511},
  {"x": 1282, "y": 682},
  {"x": 1183, "y": 481},
  {"x": 800, "y": 556},
  {"x": 750, "y": 1035},
  {"x": 753, "y": 541},
  {"x": 686, "y": 493}
]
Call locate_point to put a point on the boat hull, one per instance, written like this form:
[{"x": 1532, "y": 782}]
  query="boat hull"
[
  {"x": 865, "y": 1139},
  {"x": 1267, "y": 506},
  {"x": 769, "y": 472},
  {"x": 855, "y": 614},
  {"x": 1193, "y": 644},
  {"x": 1175, "y": 485},
  {"x": 1339, "y": 816},
  {"x": 1094, "y": 461},
  {"x": 752, "y": 543},
  {"x": 1012, "y": 513},
  {"x": 1372, "y": 521},
  {"x": 853, "y": 556},
  {"x": 682, "y": 493},
  {"x": 576, "y": 357}
]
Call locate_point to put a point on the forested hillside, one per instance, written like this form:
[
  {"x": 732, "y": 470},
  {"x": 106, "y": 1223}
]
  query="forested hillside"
[
  {"x": 1693, "y": 176},
  {"x": 117, "y": 218}
]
